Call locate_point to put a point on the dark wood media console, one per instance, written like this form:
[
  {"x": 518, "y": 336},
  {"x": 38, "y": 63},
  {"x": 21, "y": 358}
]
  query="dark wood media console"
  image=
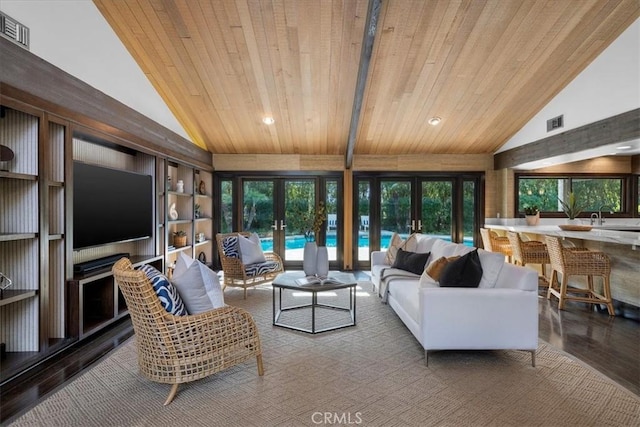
[{"x": 94, "y": 300}]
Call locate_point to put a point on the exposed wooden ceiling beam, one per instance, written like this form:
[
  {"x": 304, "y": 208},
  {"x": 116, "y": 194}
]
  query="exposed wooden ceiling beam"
[{"x": 373, "y": 12}]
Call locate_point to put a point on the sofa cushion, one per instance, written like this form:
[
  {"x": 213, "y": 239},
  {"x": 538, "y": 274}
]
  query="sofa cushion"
[
  {"x": 434, "y": 269},
  {"x": 424, "y": 242},
  {"x": 250, "y": 249},
  {"x": 465, "y": 272},
  {"x": 442, "y": 248},
  {"x": 397, "y": 243},
  {"x": 413, "y": 262},
  {"x": 262, "y": 268},
  {"x": 406, "y": 294},
  {"x": 197, "y": 284}
]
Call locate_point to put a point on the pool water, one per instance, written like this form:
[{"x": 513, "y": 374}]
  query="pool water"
[{"x": 297, "y": 242}]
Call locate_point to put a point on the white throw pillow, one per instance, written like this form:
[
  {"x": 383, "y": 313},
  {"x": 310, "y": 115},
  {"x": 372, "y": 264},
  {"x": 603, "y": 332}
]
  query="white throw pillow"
[
  {"x": 492, "y": 263},
  {"x": 250, "y": 249},
  {"x": 198, "y": 285},
  {"x": 396, "y": 243},
  {"x": 427, "y": 281}
]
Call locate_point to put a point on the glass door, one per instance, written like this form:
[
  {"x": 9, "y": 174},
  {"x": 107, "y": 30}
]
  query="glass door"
[
  {"x": 472, "y": 196},
  {"x": 395, "y": 210},
  {"x": 448, "y": 206},
  {"x": 258, "y": 211},
  {"x": 296, "y": 217},
  {"x": 281, "y": 211},
  {"x": 436, "y": 208}
]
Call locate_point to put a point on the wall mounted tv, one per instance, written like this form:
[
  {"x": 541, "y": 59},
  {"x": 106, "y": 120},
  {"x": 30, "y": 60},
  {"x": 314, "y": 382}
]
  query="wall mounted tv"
[{"x": 110, "y": 205}]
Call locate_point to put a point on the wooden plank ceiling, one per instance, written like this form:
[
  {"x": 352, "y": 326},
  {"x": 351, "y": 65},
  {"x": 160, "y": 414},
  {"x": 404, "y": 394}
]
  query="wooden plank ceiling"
[{"x": 485, "y": 67}]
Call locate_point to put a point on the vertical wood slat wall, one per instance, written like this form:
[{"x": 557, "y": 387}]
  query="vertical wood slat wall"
[
  {"x": 56, "y": 250},
  {"x": 36, "y": 226},
  {"x": 19, "y": 328},
  {"x": 19, "y": 132},
  {"x": 19, "y": 259},
  {"x": 57, "y": 295}
]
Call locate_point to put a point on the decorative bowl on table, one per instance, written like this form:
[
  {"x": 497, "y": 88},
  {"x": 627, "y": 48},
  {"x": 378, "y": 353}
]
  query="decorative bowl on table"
[{"x": 575, "y": 227}]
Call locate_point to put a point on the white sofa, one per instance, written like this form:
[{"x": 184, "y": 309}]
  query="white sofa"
[{"x": 501, "y": 313}]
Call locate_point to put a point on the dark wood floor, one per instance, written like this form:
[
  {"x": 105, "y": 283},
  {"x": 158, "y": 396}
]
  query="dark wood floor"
[{"x": 610, "y": 345}]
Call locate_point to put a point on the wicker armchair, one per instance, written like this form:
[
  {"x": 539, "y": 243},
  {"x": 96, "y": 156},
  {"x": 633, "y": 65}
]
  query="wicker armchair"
[
  {"x": 179, "y": 349},
  {"x": 237, "y": 274},
  {"x": 530, "y": 252},
  {"x": 578, "y": 262},
  {"x": 495, "y": 243}
]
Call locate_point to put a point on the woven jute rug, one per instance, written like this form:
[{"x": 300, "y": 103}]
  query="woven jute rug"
[{"x": 372, "y": 374}]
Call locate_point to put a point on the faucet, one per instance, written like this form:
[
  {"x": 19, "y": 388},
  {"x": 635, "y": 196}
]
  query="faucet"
[
  {"x": 594, "y": 218},
  {"x": 600, "y": 218}
]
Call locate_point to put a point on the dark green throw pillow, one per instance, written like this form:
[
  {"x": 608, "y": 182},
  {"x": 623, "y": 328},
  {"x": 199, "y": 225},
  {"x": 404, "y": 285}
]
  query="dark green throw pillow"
[
  {"x": 465, "y": 272},
  {"x": 413, "y": 262}
]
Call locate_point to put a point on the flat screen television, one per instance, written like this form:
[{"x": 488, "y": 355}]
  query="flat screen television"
[{"x": 110, "y": 205}]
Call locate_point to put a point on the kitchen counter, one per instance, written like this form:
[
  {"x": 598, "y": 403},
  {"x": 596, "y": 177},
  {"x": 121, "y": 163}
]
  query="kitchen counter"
[
  {"x": 613, "y": 238},
  {"x": 598, "y": 234}
]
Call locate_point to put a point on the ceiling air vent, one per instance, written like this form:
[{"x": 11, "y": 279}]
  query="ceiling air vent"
[
  {"x": 555, "y": 123},
  {"x": 12, "y": 30}
]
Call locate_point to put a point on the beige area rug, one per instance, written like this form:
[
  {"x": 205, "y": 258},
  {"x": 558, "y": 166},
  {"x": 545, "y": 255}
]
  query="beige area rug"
[{"x": 372, "y": 374}]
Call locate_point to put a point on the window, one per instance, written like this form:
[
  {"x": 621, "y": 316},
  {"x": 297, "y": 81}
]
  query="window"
[{"x": 594, "y": 193}]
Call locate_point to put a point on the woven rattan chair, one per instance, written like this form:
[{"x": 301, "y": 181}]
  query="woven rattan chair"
[
  {"x": 237, "y": 274},
  {"x": 495, "y": 243},
  {"x": 576, "y": 262},
  {"x": 179, "y": 349},
  {"x": 530, "y": 252}
]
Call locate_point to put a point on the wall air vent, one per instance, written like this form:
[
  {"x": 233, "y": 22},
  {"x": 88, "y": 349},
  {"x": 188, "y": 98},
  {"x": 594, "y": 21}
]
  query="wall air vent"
[
  {"x": 555, "y": 123},
  {"x": 12, "y": 30}
]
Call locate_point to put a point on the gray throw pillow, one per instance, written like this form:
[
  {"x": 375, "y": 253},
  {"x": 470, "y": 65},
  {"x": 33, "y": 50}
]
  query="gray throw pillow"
[{"x": 413, "y": 262}]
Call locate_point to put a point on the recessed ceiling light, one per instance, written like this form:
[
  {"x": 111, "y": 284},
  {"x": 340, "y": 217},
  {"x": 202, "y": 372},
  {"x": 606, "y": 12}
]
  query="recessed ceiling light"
[
  {"x": 268, "y": 121},
  {"x": 623, "y": 147},
  {"x": 434, "y": 121}
]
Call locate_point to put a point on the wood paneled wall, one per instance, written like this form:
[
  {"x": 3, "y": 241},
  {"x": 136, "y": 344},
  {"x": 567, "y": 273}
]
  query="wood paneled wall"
[
  {"x": 276, "y": 162},
  {"x": 607, "y": 164}
]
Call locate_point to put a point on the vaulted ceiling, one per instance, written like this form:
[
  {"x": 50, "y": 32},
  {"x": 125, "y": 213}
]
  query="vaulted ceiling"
[{"x": 484, "y": 67}]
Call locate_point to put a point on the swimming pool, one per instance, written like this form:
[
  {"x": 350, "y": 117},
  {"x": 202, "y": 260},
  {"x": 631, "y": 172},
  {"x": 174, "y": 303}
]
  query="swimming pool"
[{"x": 297, "y": 242}]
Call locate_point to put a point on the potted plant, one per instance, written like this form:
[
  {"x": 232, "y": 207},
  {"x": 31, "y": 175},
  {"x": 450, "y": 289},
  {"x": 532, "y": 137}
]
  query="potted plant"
[
  {"x": 312, "y": 253},
  {"x": 312, "y": 233},
  {"x": 571, "y": 207},
  {"x": 532, "y": 215},
  {"x": 179, "y": 238}
]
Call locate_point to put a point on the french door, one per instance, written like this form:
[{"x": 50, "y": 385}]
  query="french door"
[
  {"x": 280, "y": 210},
  {"x": 446, "y": 206}
]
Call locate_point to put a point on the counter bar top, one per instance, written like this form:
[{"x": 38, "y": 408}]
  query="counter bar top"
[{"x": 597, "y": 234}]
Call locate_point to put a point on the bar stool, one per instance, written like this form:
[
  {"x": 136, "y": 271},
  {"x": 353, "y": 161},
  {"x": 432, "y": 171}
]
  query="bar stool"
[
  {"x": 531, "y": 252},
  {"x": 495, "y": 243},
  {"x": 578, "y": 262}
]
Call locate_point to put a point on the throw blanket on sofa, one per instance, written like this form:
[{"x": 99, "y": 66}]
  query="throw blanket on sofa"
[{"x": 387, "y": 274}]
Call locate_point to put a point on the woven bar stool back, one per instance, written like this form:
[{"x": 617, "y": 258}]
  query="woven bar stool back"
[
  {"x": 568, "y": 262},
  {"x": 530, "y": 252},
  {"x": 494, "y": 243}
]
